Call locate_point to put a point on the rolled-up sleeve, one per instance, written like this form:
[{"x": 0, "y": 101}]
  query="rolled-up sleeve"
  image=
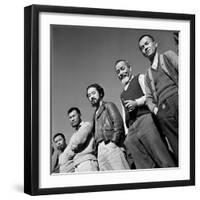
[
  {"x": 142, "y": 100},
  {"x": 81, "y": 136},
  {"x": 149, "y": 96}
]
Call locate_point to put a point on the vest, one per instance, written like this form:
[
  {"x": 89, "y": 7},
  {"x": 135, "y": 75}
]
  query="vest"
[
  {"x": 133, "y": 92},
  {"x": 168, "y": 68}
]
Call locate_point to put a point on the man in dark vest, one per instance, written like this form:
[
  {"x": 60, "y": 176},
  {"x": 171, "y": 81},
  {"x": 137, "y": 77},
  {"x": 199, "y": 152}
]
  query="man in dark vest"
[
  {"x": 161, "y": 86},
  {"x": 144, "y": 145}
]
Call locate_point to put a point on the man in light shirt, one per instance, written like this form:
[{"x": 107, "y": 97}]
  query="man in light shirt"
[
  {"x": 81, "y": 148},
  {"x": 145, "y": 148}
]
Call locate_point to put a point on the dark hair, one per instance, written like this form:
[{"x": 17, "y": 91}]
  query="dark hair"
[
  {"x": 59, "y": 134},
  {"x": 123, "y": 60},
  {"x": 98, "y": 88},
  {"x": 146, "y": 35},
  {"x": 72, "y": 109}
]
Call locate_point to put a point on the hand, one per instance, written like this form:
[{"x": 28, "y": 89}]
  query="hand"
[
  {"x": 155, "y": 110},
  {"x": 71, "y": 155},
  {"x": 130, "y": 105},
  {"x": 73, "y": 147}
]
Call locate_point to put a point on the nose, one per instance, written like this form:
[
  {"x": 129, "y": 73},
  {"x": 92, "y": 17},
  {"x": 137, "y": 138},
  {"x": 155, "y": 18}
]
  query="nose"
[
  {"x": 120, "y": 73},
  {"x": 59, "y": 143},
  {"x": 145, "y": 47},
  {"x": 72, "y": 119},
  {"x": 91, "y": 96}
]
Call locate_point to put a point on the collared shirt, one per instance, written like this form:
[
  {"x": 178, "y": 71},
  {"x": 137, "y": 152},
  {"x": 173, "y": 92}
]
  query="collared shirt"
[
  {"x": 155, "y": 62},
  {"x": 79, "y": 126}
]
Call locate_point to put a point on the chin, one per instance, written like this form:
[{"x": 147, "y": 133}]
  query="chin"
[
  {"x": 94, "y": 104},
  {"x": 125, "y": 80},
  {"x": 74, "y": 125}
]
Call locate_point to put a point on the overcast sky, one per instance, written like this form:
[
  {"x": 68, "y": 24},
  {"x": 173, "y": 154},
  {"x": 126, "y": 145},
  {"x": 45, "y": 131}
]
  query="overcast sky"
[{"x": 82, "y": 55}]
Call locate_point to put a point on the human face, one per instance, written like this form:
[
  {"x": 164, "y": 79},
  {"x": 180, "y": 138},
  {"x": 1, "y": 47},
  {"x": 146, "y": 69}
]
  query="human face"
[
  {"x": 59, "y": 142},
  {"x": 123, "y": 72},
  {"x": 93, "y": 96},
  {"x": 148, "y": 47},
  {"x": 74, "y": 118}
]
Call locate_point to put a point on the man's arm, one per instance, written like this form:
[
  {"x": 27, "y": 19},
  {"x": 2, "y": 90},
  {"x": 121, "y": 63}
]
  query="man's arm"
[
  {"x": 173, "y": 58},
  {"x": 124, "y": 119},
  {"x": 142, "y": 100},
  {"x": 54, "y": 163},
  {"x": 116, "y": 118},
  {"x": 81, "y": 136},
  {"x": 149, "y": 97},
  {"x": 67, "y": 154}
]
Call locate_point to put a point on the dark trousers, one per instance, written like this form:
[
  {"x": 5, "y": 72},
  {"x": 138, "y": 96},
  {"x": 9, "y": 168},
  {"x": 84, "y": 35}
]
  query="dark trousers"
[
  {"x": 168, "y": 121},
  {"x": 144, "y": 146}
]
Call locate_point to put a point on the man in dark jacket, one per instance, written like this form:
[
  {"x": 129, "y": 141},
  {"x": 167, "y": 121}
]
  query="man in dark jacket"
[
  {"x": 144, "y": 145},
  {"x": 109, "y": 131},
  {"x": 161, "y": 85}
]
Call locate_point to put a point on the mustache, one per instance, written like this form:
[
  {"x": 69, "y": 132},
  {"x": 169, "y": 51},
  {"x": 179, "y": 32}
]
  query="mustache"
[
  {"x": 93, "y": 99},
  {"x": 122, "y": 76},
  {"x": 148, "y": 50}
]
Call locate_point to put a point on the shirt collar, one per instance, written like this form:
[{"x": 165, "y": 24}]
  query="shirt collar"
[
  {"x": 155, "y": 62},
  {"x": 80, "y": 125},
  {"x": 126, "y": 86}
]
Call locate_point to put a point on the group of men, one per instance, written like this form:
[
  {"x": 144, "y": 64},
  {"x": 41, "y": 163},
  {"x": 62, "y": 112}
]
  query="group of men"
[{"x": 145, "y": 136}]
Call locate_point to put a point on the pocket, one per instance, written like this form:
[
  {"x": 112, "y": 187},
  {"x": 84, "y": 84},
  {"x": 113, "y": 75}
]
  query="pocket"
[{"x": 164, "y": 110}]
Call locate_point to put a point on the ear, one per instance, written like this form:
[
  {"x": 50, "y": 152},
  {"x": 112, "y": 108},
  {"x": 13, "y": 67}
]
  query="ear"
[{"x": 156, "y": 44}]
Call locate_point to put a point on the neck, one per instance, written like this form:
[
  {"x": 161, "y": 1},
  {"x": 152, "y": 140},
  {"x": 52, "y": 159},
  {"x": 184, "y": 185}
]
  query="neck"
[
  {"x": 152, "y": 58},
  {"x": 65, "y": 145},
  {"x": 99, "y": 105},
  {"x": 127, "y": 83},
  {"x": 78, "y": 126}
]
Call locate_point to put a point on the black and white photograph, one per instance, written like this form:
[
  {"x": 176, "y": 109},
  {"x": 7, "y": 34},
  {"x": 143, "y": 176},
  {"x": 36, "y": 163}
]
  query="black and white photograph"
[
  {"x": 100, "y": 100},
  {"x": 114, "y": 99}
]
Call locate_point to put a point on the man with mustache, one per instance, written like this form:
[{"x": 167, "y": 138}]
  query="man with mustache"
[
  {"x": 161, "y": 85},
  {"x": 109, "y": 131},
  {"x": 144, "y": 146}
]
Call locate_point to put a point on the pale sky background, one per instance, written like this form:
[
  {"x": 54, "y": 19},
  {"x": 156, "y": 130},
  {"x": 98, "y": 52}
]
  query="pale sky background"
[{"x": 82, "y": 55}]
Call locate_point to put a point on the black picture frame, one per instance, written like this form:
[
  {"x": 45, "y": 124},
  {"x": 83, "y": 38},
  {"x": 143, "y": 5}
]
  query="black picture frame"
[{"x": 31, "y": 98}]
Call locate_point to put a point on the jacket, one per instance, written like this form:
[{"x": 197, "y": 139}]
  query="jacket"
[
  {"x": 169, "y": 63},
  {"x": 109, "y": 124}
]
